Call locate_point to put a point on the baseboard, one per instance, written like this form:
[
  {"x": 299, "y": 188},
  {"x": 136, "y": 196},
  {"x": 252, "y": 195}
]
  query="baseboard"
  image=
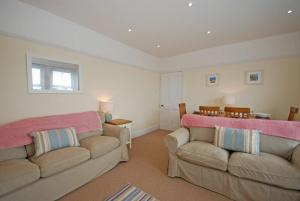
[{"x": 139, "y": 133}]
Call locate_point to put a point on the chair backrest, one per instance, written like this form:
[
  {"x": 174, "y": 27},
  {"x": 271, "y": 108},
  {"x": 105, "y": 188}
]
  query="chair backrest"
[
  {"x": 237, "y": 112},
  {"x": 182, "y": 110},
  {"x": 293, "y": 112},
  {"x": 209, "y": 110}
]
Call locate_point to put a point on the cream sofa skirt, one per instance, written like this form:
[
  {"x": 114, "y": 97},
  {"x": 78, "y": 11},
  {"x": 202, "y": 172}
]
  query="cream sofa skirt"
[{"x": 226, "y": 184}]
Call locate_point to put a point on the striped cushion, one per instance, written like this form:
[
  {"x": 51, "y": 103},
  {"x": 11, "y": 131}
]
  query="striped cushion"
[
  {"x": 45, "y": 141},
  {"x": 241, "y": 140}
]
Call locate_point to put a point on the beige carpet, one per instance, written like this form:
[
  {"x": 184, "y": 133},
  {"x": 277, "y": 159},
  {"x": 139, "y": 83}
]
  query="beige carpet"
[{"x": 147, "y": 169}]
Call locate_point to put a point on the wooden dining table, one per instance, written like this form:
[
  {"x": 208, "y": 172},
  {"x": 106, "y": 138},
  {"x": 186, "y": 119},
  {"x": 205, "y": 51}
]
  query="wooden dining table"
[{"x": 251, "y": 116}]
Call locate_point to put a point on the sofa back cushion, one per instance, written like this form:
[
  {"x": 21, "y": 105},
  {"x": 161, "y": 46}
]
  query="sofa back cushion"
[
  {"x": 45, "y": 141},
  {"x": 12, "y": 153},
  {"x": 278, "y": 146},
  {"x": 202, "y": 134},
  {"x": 83, "y": 135},
  {"x": 31, "y": 150},
  {"x": 282, "y": 147}
]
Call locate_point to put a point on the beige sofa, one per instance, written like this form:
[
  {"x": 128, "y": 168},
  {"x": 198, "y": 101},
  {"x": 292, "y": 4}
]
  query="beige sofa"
[
  {"x": 24, "y": 177},
  {"x": 274, "y": 175}
]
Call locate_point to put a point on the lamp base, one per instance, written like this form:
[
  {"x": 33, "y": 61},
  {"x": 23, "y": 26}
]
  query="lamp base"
[{"x": 108, "y": 117}]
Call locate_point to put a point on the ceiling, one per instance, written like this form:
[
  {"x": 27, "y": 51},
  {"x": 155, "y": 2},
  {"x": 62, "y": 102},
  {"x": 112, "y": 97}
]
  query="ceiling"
[{"x": 175, "y": 26}]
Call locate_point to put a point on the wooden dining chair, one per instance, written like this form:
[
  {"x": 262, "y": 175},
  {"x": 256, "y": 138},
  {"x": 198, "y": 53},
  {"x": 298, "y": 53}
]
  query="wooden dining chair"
[
  {"x": 182, "y": 110},
  {"x": 209, "y": 110},
  {"x": 293, "y": 112},
  {"x": 237, "y": 112}
]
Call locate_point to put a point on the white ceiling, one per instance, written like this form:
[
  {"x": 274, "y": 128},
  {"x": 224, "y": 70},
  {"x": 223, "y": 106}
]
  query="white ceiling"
[{"x": 175, "y": 26}]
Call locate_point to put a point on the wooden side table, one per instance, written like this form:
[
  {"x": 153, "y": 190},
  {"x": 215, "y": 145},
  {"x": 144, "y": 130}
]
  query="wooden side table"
[{"x": 124, "y": 123}]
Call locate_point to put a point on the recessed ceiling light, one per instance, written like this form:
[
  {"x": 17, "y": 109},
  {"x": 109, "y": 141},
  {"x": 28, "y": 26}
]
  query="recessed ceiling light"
[
  {"x": 158, "y": 46},
  {"x": 190, "y": 4},
  {"x": 208, "y": 32},
  {"x": 129, "y": 30},
  {"x": 290, "y": 11}
]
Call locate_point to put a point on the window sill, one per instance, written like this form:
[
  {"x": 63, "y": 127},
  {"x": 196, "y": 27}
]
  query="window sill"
[{"x": 54, "y": 92}]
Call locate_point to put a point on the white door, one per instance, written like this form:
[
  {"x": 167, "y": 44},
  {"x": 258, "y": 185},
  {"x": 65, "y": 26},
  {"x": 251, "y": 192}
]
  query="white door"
[{"x": 170, "y": 97}]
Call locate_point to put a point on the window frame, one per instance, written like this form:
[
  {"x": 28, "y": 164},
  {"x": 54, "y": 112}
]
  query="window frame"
[{"x": 31, "y": 56}]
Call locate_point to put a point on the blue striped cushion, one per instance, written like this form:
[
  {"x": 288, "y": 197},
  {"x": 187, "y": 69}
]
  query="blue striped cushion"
[
  {"x": 242, "y": 140},
  {"x": 48, "y": 140}
]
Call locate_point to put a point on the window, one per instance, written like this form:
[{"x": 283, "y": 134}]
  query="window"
[
  {"x": 36, "y": 79},
  {"x": 61, "y": 80},
  {"x": 50, "y": 76}
]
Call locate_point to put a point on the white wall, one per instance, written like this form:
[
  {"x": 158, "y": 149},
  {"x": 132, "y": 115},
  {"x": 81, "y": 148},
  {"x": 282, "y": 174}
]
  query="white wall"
[
  {"x": 25, "y": 21},
  {"x": 283, "y": 46},
  {"x": 134, "y": 91},
  {"x": 28, "y": 22},
  {"x": 279, "y": 91}
]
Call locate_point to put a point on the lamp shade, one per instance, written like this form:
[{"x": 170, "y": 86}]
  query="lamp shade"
[
  {"x": 106, "y": 107},
  {"x": 229, "y": 100}
]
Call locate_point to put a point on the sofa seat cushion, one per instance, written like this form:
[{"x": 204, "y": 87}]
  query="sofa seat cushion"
[
  {"x": 17, "y": 173},
  {"x": 205, "y": 154},
  {"x": 265, "y": 168},
  {"x": 59, "y": 160},
  {"x": 100, "y": 145}
]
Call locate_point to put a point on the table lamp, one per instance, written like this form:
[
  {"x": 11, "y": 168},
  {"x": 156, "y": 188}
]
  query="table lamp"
[
  {"x": 107, "y": 107},
  {"x": 229, "y": 100}
]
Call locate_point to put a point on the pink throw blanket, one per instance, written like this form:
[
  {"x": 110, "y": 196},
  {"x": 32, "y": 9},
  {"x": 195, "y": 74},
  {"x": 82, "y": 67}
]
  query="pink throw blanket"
[
  {"x": 17, "y": 133},
  {"x": 286, "y": 129}
]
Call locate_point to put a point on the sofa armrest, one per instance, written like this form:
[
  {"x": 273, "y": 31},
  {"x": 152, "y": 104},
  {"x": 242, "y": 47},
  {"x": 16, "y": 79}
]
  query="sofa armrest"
[
  {"x": 296, "y": 156},
  {"x": 115, "y": 131},
  {"x": 176, "y": 139}
]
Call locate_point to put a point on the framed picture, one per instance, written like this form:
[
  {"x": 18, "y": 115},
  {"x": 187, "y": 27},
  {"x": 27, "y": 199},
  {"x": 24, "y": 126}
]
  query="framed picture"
[
  {"x": 212, "y": 80},
  {"x": 254, "y": 77}
]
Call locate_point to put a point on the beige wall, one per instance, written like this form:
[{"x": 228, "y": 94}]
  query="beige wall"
[
  {"x": 134, "y": 92},
  {"x": 279, "y": 91}
]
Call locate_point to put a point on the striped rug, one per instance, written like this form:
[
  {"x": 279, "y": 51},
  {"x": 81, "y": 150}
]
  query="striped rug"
[{"x": 131, "y": 193}]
